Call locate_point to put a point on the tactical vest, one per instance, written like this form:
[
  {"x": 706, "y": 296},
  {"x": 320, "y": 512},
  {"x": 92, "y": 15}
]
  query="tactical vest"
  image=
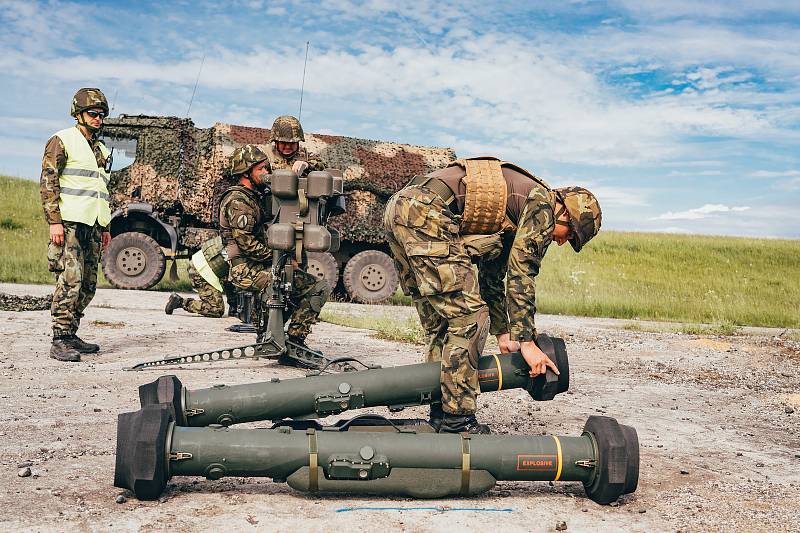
[
  {"x": 84, "y": 185},
  {"x": 487, "y": 194},
  {"x": 226, "y": 230}
]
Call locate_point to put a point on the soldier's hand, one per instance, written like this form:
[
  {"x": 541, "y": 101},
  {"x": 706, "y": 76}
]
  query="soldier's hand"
[
  {"x": 299, "y": 167},
  {"x": 57, "y": 234},
  {"x": 105, "y": 239},
  {"x": 536, "y": 359},
  {"x": 506, "y": 344}
]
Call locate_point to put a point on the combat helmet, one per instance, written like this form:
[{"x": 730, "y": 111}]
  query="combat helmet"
[
  {"x": 585, "y": 214},
  {"x": 286, "y": 128},
  {"x": 88, "y": 98},
  {"x": 245, "y": 157}
]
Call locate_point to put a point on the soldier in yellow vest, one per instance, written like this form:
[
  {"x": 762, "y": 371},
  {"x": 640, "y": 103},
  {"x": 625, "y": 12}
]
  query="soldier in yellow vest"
[
  {"x": 285, "y": 135},
  {"x": 74, "y": 190},
  {"x": 501, "y": 218}
]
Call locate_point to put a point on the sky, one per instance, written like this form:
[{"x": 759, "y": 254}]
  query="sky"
[{"x": 681, "y": 116}]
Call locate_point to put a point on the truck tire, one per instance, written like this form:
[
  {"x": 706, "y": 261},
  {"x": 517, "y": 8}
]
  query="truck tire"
[
  {"x": 370, "y": 277},
  {"x": 134, "y": 261},
  {"x": 323, "y": 266}
]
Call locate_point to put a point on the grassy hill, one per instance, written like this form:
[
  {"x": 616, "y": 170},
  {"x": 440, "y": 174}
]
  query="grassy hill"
[
  {"x": 718, "y": 280},
  {"x": 24, "y": 237}
]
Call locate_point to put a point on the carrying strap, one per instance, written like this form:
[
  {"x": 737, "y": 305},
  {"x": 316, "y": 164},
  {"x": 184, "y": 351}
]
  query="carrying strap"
[
  {"x": 435, "y": 185},
  {"x": 313, "y": 461},
  {"x": 465, "y": 464}
]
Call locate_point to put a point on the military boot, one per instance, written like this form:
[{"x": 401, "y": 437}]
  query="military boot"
[
  {"x": 436, "y": 416},
  {"x": 173, "y": 303},
  {"x": 76, "y": 343},
  {"x": 463, "y": 424},
  {"x": 61, "y": 351}
]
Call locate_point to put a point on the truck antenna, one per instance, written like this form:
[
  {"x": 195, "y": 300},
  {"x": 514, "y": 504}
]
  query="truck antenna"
[
  {"x": 303, "y": 84},
  {"x": 114, "y": 101},
  {"x": 195, "y": 84}
]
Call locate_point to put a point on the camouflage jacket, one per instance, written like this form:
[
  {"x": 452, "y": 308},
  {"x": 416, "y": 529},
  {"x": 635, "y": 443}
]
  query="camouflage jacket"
[
  {"x": 243, "y": 218},
  {"x": 277, "y": 161},
  {"x": 53, "y": 163},
  {"x": 512, "y": 307}
]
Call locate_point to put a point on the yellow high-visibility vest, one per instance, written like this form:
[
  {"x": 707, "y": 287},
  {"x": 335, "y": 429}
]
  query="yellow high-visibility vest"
[
  {"x": 204, "y": 269},
  {"x": 84, "y": 186}
]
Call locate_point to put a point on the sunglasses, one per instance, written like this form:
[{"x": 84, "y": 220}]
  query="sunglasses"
[{"x": 95, "y": 114}]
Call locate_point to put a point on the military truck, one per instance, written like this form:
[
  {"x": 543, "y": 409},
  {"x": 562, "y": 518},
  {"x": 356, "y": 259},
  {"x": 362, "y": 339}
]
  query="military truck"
[{"x": 169, "y": 175}]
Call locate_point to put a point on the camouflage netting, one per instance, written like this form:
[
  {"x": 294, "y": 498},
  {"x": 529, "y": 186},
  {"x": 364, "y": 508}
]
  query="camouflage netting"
[
  {"x": 180, "y": 168},
  {"x": 10, "y": 302}
]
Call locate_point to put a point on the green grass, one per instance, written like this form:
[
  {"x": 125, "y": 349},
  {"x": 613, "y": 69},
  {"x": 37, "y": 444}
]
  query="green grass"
[
  {"x": 723, "y": 281},
  {"x": 24, "y": 236},
  {"x": 385, "y": 327}
]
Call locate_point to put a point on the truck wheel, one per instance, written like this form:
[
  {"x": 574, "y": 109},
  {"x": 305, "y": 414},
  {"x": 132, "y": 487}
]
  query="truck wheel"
[
  {"x": 323, "y": 266},
  {"x": 370, "y": 277},
  {"x": 133, "y": 261}
]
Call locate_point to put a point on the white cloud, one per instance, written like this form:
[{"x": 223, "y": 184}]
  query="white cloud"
[
  {"x": 706, "y": 211},
  {"x": 775, "y": 174}
]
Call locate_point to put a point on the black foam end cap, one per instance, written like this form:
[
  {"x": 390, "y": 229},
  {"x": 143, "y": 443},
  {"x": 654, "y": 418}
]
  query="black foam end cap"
[
  {"x": 545, "y": 387},
  {"x": 141, "y": 451},
  {"x": 610, "y": 480},
  {"x": 165, "y": 391}
]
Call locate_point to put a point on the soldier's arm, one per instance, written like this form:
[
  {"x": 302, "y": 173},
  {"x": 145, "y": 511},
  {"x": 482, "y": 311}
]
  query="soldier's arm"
[
  {"x": 53, "y": 163},
  {"x": 491, "y": 276},
  {"x": 534, "y": 234},
  {"x": 240, "y": 216}
]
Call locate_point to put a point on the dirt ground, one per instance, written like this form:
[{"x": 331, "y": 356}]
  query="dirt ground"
[{"x": 717, "y": 418}]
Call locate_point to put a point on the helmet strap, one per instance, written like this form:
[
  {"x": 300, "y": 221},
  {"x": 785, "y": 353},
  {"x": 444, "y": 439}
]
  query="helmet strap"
[
  {"x": 558, "y": 216},
  {"x": 90, "y": 129}
]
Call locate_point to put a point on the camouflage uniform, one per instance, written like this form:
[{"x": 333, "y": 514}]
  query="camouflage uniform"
[
  {"x": 210, "y": 304},
  {"x": 75, "y": 262},
  {"x": 278, "y": 161},
  {"x": 451, "y": 297},
  {"x": 243, "y": 209}
]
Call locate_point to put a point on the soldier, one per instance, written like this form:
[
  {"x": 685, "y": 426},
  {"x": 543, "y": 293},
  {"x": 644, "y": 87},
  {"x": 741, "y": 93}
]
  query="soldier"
[
  {"x": 285, "y": 136},
  {"x": 245, "y": 209},
  {"x": 503, "y": 218},
  {"x": 74, "y": 189},
  {"x": 210, "y": 304}
]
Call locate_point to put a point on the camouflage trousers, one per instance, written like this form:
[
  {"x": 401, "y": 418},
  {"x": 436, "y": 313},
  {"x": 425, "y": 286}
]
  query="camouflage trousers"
[
  {"x": 305, "y": 301},
  {"x": 74, "y": 264},
  {"x": 210, "y": 303},
  {"x": 436, "y": 271}
]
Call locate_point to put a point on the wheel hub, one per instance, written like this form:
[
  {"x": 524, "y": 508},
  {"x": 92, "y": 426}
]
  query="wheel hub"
[
  {"x": 132, "y": 261},
  {"x": 373, "y": 277}
]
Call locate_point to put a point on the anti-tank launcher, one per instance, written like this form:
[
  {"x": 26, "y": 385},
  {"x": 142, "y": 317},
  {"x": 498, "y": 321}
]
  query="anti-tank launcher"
[
  {"x": 301, "y": 207},
  {"x": 373, "y": 456},
  {"x": 329, "y": 394}
]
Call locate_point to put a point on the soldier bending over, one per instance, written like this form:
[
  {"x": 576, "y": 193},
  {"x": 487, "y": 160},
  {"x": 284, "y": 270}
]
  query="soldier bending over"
[{"x": 502, "y": 217}]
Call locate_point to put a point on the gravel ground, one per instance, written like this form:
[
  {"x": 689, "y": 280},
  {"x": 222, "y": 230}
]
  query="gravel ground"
[{"x": 717, "y": 418}]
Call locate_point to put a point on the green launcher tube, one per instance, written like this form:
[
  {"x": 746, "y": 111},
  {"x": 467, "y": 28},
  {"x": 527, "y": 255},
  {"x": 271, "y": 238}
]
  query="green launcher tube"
[
  {"x": 327, "y": 394},
  {"x": 151, "y": 449}
]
